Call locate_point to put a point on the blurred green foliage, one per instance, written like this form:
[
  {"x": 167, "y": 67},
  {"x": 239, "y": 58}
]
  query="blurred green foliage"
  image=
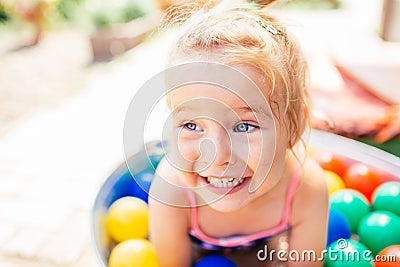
[
  {"x": 93, "y": 13},
  {"x": 4, "y": 17},
  {"x": 313, "y": 4},
  {"x": 67, "y": 8},
  {"x": 104, "y": 13}
]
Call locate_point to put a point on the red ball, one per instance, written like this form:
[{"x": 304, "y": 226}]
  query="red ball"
[
  {"x": 388, "y": 257},
  {"x": 331, "y": 162},
  {"x": 362, "y": 178}
]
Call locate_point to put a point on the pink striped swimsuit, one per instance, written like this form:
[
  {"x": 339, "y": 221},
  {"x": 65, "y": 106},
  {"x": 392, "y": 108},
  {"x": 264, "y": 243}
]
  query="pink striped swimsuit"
[{"x": 247, "y": 250}]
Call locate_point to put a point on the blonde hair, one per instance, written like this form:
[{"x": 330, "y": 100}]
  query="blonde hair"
[{"x": 245, "y": 37}]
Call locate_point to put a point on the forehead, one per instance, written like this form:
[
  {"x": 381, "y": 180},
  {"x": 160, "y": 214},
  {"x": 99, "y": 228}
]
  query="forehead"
[{"x": 244, "y": 89}]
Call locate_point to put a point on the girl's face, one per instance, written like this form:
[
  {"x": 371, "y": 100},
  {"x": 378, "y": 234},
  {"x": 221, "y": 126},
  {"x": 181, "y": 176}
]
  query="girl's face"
[{"x": 227, "y": 142}]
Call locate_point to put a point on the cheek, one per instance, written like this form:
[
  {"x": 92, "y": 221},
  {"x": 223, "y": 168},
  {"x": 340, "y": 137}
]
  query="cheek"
[
  {"x": 188, "y": 149},
  {"x": 262, "y": 151},
  {"x": 261, "y": 157},
  {"x": 183, "y": 152}
]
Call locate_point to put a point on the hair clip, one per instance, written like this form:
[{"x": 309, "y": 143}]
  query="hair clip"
[
  {"x": 271, "y": 29},
  {"x": 268, "y": 27}
]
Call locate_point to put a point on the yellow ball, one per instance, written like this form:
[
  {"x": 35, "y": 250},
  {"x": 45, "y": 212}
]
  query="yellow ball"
[
  {"x": 127, "y": 218},
  {"x": 333, "y": 181},
  {"x": 133, "y": 253}
]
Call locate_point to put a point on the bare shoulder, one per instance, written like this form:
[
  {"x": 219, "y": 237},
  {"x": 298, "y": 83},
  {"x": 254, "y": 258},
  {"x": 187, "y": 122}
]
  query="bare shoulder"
[
  {"x": 167, "y": 186},
  {"x": 313, "y": 177},
  {"x": 169, "y": 218},
  {"x": 312, "y": 194},
  {"x": 309, "y": 215}
]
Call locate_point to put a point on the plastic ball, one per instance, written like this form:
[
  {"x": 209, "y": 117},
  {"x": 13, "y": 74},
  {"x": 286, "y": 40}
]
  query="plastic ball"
[
  {"x": 215, "y": 261},
  {"x": 333, "y": 181},
  {"x": 143, "y": 182},
  {"x": 124, "y": 186},
  {"x": 379, "y": 229},
  {"x": 388, "y": 257},
  {"x": 127, "y": 218},
  {"x": 133, "y": 253},
  {"x": 155, "y": 159},
  {"x": 352, "y": 204},
  {"x": 387, "y": 197},
  {"x": 338, "y": 226},
  {"x": 331, "y": 162},
  {"x": 348, "y": 253},
  {"x": 362, "y": 178}
]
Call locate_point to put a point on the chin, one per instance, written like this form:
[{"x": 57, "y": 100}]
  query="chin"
[{"x": 229, "y": 203}]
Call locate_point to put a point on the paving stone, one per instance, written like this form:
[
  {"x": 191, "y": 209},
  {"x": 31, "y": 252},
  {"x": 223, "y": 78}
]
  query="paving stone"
[
  {"x": 27, "y": 212},
  {"x": 7, "y": 231},
  {"x": 26, "y": 242},
  {"x": 88, "y": 259},
  {"x": 68, "y": 243},
  {"x": 10, "y": 186},
  {"x": 7, "y": 261}
]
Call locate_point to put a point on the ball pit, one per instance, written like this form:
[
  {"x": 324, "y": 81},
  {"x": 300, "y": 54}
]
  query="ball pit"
[{"x": 346, "y": 152}]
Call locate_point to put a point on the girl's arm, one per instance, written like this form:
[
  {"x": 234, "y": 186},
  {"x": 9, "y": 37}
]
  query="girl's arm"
[
  {"x": 169, "y": 224},
  {"x": 309, "y": 219}
]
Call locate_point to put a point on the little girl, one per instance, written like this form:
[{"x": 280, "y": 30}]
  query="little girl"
[{"x": 235, "y": 180}]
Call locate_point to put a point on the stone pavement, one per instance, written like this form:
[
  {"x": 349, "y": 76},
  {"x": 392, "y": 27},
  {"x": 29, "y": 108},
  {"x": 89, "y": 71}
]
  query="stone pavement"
[
  {"x": 33, "y": 77},
  {"x": 52, "y": 165}
]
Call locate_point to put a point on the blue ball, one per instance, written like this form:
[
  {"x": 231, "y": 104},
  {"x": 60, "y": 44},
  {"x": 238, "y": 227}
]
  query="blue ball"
[
  {"x": 338, "y": 226},
  {"x": 215, "y": 261},
  {"x": 142, "y": 183}
]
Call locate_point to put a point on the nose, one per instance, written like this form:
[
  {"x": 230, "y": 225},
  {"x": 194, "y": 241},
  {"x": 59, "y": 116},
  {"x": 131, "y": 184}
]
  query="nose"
[{"x": 216, "y": 148}]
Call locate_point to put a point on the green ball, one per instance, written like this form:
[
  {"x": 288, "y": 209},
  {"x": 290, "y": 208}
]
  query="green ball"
[
  {"x": 352, "y": 204},
  {"x": 348, "y": 253},
  {"x": 387, "y": 197},
  {"x": 379, "y": 229}
]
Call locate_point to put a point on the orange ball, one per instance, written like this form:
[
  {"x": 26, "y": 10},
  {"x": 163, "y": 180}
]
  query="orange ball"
[
  {"x": 388, "y": 257},
  {"x": 362, "y": 178},
  {"x": 331, "y": 162}
]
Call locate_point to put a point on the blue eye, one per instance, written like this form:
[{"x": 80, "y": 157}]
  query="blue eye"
[
  {"x": 244, "y": 127},
  {"x": 192, "y": 126}
]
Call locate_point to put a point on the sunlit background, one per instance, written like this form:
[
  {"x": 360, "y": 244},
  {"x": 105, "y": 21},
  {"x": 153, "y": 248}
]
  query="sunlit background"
[{"x": 69, "y": 69}]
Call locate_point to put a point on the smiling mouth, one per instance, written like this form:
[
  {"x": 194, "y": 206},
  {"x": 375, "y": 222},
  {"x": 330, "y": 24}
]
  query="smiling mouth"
[{"x": 224, "y": 182}]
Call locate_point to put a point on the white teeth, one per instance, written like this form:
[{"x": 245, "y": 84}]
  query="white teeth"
[{"x": 225, "y": 182}]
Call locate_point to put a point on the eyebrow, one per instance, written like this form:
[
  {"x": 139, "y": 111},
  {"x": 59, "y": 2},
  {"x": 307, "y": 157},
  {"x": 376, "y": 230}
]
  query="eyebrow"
[
  {"x": 255, "y": 110},
  {"x": 179, "y": 109}
]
